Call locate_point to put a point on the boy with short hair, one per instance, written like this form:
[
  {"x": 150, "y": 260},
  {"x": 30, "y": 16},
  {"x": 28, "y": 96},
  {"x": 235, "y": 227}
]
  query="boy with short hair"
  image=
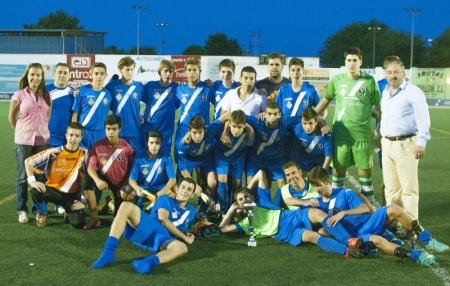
[
  {"x": 161, "y": 102},
  {"x": 109, "y": 167},
  {"x": 161, "y": 232},
  {"x": 91, "y": 106},
  {"x": 231, "y": 157},
  {"x": 126, "y": 98},
  {"x": 195, "y": 98},
  {"x": 314, "y": 148},
  {"x": 356, "y": 93},
  {"x": 222, "y": 86},
  {"x": 64, "y": 166},
  {"x": 152, "y": 169},
  {"x": 62, "y": 100},
  {"x": 267, "y": 152}
]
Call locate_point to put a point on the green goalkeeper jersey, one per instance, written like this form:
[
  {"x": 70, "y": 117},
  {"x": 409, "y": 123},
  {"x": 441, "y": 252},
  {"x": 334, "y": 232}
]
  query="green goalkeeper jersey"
[
  {"x": 265, "y": 222},
  {"x": 354, "y": 101}
]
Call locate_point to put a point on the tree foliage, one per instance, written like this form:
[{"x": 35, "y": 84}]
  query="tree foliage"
[
  {"x": 195, "y": 50},
  {"x": 56, "y": 20},
  {"x": 440, "y": 52},
  {"x": 219, "y": 44},
  {"x": 114, "y": 50},
  {"x": 143, "y": 50},
  {"x": 387, "y": 42}
]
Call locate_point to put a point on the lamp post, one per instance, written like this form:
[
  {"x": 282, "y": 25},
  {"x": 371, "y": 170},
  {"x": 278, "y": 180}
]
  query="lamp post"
[
  {"x": 374, "y": 29},
  {"x": 161, "y": 46},
  {"x": 138, "y": 9},
  {"x": 413, "y": 11}
]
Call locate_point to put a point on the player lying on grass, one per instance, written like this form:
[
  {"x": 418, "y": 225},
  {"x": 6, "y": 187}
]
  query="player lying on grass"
[
  {"x": 291, "y": 226},
  {"x": 343, "y": 206},
  {"x": 163, "y": 232}
]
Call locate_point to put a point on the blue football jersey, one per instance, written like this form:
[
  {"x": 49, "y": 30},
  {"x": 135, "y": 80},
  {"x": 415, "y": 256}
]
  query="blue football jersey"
[{"x": 62, "y": 101}]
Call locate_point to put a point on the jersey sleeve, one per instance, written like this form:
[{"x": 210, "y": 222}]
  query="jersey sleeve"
[
  {"x": 93, "y": 161},
  {"x": 327, "y": 145},
  {"x": 170, "y": 171},
  {"x": 134, "y": 174},
  {"x": 331, "y": 92},
  {"x": 39, "y": 161},
  {"x": 352, "y": 199},
  {"x": 181, "y": 156}
]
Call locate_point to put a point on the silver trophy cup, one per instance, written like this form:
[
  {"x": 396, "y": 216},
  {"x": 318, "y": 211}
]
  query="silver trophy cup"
[{"x": 250, "y": 207}]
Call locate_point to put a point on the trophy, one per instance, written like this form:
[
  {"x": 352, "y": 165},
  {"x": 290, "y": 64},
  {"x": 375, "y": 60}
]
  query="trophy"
[{"x": 250, "y": 207}]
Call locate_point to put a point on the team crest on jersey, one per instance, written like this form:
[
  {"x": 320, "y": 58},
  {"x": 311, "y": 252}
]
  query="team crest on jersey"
[
  {"x": 145, "y": 171},
  {"x": 105, "y": 101},
  {"x": 305, "y": 103},
  {"x": 289, "y": 104},
  {"x": 91, "y": 101},
  {"x": 120, "y": 158},
  {"x": 184, "y": 100},
  {"x": 218, "y": 98},
  {"x": 319, "y": 146},
  {"x": 362, "y": 91},
  {"x": 119, "y": 96},
  {"x": 103, "y": 160},
  {"x": 203, "y": 97},
  {"x": 135, "y": 95},
  {"x": 157, "y": 95}
]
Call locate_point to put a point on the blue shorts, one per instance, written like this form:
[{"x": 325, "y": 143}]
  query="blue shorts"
[
  {"x": 206, "y": 166},
  {"x": 292, "y": 226},
  {"x": 376, "y": 225},
  {"x": 149, "y": 234},
  {"x": 237, "y": 167},
  {"x": 90, "y": 137},
  {"x": 135, "y": 142},
  {"x": 274, "y": 167}
]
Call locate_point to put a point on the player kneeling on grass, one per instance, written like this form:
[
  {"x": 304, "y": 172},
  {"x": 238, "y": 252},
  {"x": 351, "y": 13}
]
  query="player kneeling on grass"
[
  {"x": 345, "y": 207},
  {"x": 164, "y": 231},
  {"x": 291, "y": 226},
  {"x": 152, "y": 171},
  {"x": 63, "y": 167}
]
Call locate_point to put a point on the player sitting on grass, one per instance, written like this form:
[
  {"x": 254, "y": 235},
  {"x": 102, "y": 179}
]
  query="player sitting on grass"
[
  {"x": 291, "y": 226},
  {"x": 163, "y": 232},
  {"x": 345, "y": 207},
  {"x": 63, "y": 167},
  {"x": 152, "y": 170}
]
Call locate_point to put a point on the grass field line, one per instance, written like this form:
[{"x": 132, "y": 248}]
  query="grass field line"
[
  {"x": 439, "y": 130},
  {"x": 7, "y": 199},
  {"x": 440, "y": 272}
]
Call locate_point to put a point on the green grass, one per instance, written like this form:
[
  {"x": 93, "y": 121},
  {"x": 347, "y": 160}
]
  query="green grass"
[{"x": 63, "y": 255}]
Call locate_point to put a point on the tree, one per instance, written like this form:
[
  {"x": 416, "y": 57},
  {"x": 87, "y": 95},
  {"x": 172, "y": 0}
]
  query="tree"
[
  {"x": 387, "y": 42},
  {"x": 439, "y": 51},
  {"x": 220, "y": 45},
  {"x": 143, "y": 50},
  {"x": 195, "y": 50},
  {"x": 113, "y": 50},
  {"x": 57, "y": 20}
]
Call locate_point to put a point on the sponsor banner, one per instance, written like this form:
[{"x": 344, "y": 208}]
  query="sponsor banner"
[
  {"x": 431, "y": 81},
  {"x": 316, "y": 75},
  {"x": 80, "y": 66}
]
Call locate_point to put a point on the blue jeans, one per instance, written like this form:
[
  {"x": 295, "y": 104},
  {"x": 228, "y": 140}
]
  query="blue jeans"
[{"x": 22, "y": 152}]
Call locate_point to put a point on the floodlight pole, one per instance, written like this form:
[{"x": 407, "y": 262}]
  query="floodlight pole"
[
  {"x": 138, "y": 9},
  {"x": 413, "y": 11}
]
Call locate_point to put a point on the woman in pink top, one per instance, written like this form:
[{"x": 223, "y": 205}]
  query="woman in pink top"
[{"x": 33, "y": 105}]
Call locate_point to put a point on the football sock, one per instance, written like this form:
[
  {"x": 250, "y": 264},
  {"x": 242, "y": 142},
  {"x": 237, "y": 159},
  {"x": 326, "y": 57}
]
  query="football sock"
[
  {"x": 366, "y": 186},
  {"x": 144, "y": 266},
  {"x": 425, "y": 237},
  {"x": 331, "y": 245},
  {"x": 338, "y": 231},
  {"x": 41, "y": 207},
  {"x": 401, "y": 252},
  {"x": 222, "y": 196},
  {"x": 338, "y": 180},
  {"x": 108, "y": 253}
]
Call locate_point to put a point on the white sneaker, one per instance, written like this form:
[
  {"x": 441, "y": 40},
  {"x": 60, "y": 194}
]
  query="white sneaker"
[{"x": 23, "y": 217}]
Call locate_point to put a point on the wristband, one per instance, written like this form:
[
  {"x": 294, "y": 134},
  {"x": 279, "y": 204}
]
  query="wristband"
[{"x": 31, "y": 179}]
